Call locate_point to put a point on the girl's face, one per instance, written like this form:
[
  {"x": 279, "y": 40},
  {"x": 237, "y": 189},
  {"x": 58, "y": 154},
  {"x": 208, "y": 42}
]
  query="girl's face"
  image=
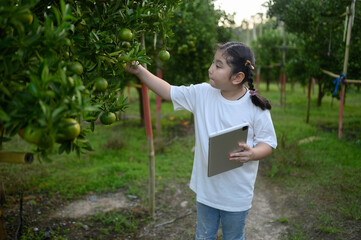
[{"x": 220, "y": 73}]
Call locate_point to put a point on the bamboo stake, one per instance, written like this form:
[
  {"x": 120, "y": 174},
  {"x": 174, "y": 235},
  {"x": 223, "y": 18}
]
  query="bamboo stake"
[
  {"x": 149, "y": 133},
  {"x": 345, "y": 63},
  {"x": 16, "y": 157},
  {"x": 158, "y": 137},
  {"x": 331, "y": 74}
]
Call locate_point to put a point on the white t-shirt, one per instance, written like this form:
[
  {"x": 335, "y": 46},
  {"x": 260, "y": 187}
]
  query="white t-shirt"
[{"x": 231, "y": 190}]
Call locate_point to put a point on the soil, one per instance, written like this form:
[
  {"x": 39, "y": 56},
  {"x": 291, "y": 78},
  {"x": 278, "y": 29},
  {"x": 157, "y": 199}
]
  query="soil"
[
  {"x": 175, "y": 216},
  {"x": 264, "y": 221}
]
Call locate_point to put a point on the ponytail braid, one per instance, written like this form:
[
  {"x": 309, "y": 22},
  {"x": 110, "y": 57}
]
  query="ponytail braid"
[
  {"x": 257, "y": 99},
  {"x": 241, "y": 59}
]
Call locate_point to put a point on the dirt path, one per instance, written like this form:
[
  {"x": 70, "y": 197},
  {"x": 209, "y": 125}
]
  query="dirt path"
[
  {"x": 267, "y": 217},
  {"x": 176, "y": 213}
]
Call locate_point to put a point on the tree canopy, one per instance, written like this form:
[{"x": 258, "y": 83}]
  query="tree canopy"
[
  {"x": 320, "y": 27},
  {"x": 64, "y": 60},
  {"x": 197, "y": 29}
]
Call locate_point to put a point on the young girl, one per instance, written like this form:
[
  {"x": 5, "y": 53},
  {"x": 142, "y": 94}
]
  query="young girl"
[{"x": 222, "y": 103}]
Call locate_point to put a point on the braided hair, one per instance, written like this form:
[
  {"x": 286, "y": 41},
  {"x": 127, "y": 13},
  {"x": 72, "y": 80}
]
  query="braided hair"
[{"x": 241, "y": 59}]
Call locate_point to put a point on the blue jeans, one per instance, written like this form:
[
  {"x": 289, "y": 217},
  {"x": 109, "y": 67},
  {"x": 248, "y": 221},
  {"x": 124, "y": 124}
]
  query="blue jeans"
[{"x": 208, "y": 219}]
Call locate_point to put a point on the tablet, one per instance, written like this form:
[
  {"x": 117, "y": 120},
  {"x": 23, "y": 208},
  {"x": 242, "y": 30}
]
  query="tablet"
[{"x": 221, "y": 144}]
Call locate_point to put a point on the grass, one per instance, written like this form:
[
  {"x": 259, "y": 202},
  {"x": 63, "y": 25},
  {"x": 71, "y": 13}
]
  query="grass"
[
  {"x": 312, "y": 163},
  {"x": 319, "y": 170}
]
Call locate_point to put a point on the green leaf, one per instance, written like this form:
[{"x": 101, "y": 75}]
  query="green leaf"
[
  {"x": 5, "y": 90},
  {"x": 57, "y": 112},
  {"x": 44, "y": 107},
  {"x": 92, "y": 126},
  {"x": 95, "y": 35},
  {"x": 4, "y": 116},
  {"x": 45, "y": 73},
  {"x": 57, "y": 15},
  {"x": 62, "y": 7},
  {"x": 33, "y": 89}
]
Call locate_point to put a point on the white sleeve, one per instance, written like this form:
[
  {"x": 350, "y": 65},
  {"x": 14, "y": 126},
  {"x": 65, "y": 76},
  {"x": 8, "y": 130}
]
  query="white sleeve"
[
  {"x": 183, "y": 97},
  {"x": 264, "y": 130}
]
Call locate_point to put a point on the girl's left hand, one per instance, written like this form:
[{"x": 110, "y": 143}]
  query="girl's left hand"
[{"x": 244, "y": 154}]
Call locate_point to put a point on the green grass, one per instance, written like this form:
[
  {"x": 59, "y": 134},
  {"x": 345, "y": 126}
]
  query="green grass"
[
  {"x": 312, "y": 163},
  {"x": 120, "y": 160},
  {"x": 321, "y": 171}
]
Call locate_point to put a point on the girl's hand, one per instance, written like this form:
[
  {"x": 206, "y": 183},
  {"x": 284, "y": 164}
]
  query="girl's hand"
[
  {"x": 243, "y": 155},
  {"x": 133, "y": 68},
  {"x": 246, "y": 153}
]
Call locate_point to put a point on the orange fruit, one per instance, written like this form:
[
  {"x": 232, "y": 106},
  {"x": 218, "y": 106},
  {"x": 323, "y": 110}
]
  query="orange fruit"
[
  {"x": 69, "y": 130},
  {"x": 100, "y": 84},
  {"x": 26, "y": 17},
  {"x": 125, "y": 34},
  {"x": 107, "y": 118},
  {"x": 164, "y": 55},
  {"x": 76, "y": 68}
]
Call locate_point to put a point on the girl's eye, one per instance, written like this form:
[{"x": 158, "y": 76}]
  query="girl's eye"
[{"x": 217, "y": 66}]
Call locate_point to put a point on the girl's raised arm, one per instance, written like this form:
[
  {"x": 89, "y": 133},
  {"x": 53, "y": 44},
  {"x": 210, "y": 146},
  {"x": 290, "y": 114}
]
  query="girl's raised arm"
[{"x": 156, "y": 84}]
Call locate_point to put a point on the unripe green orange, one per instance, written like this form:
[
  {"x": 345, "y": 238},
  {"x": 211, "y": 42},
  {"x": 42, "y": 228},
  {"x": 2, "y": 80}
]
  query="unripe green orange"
[
  {"x": 100, "y": 84},
  {"x": 107, "y": 118},
  {"x": 164, "y": 55},
  {"x": 125, "y": 34}
]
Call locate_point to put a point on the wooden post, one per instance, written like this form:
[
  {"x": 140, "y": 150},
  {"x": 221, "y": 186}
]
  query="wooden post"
[
  {"x": 259, "y": 66},
  {"x": 284, "y": 49},
  {"x": 2, "y": 230},
  {"x": 254, "y": 30},
  {"x": 258, "y": 77},
  {"x": 345, "y": 63},
  {"x": 281, "y": 89},
  {"x": 308, "y": 101},
  {"x": 284, "y": 88},
  {"x": 11, "y": 157},
  {"x": 149, "y": 133},
  {"x": 158, "y": 138}
]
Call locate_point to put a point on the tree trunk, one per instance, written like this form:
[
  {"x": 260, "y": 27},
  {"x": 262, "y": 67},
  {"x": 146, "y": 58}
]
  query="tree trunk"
[
  {"x": 320, "y": 94},
  {"x": 268, "y": 82},
  {"x": 139, "y": 90}
]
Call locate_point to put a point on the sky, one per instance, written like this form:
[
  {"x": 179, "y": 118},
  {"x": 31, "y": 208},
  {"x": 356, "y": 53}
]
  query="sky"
[{"x": 244, "y": 9}]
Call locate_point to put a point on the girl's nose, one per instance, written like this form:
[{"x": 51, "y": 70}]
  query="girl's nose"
[{"x": 210, "y": 69}]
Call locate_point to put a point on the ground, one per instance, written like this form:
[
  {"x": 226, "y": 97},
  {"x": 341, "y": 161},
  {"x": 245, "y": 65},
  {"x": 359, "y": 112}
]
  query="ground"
[
  {"x": 264, "y": 221},
  {"x": 175, "y": 216}
]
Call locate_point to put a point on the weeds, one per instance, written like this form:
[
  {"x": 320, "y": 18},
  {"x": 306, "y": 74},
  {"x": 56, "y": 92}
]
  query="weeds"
[{"x": 124, "y": 222}]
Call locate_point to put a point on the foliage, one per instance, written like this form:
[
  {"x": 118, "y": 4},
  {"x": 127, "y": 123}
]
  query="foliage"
[
  {"x": 52, "y": 52},
  {"x": 268, "y": 54},
  {"x": 313, "y": 22},
  {"x": 196, "y": 33}
]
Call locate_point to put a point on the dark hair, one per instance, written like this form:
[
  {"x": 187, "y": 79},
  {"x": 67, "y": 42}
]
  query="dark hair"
[{"x": 241, "y": 59}]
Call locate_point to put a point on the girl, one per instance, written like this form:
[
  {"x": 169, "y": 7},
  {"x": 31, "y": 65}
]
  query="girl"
[{"x": 222, "y": 103}]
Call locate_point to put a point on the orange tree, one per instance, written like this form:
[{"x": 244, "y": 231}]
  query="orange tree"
[
  {"x": 197, "y": 28},
  {"x": 62, "y": 62},
  {"x": 320, "y": 28}
]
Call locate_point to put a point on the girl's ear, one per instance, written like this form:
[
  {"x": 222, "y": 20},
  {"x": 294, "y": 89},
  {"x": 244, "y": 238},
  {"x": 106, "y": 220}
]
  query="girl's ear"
[{"x": 238, "y": 78}]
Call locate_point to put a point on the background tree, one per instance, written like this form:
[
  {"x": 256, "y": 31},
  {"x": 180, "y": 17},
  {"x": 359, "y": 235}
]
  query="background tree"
[
  {"x": 320, "y": 27},
  {"x": 197, "y": 30},
  {"x": 268, "y": 56}
]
